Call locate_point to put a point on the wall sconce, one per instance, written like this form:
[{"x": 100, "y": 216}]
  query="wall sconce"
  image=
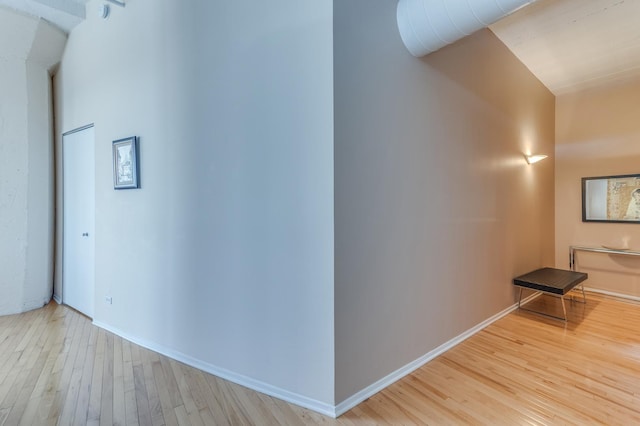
[
  {"x": 103, "y": 11},
  {"x": 534, "y": 158}
]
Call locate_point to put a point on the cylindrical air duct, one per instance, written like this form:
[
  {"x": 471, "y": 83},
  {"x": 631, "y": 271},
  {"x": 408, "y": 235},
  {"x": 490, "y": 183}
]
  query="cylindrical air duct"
[{"x": 427, "y": 25}]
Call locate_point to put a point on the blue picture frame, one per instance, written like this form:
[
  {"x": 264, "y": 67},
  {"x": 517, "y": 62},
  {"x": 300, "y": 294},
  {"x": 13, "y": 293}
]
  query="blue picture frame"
[{"x": 125, "y": 163}]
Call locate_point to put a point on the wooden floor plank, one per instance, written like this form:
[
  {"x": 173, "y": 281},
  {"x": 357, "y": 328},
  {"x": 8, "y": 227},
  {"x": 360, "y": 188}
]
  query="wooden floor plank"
[
  {"x": 106, "y": 400},
  {"x": 142, "y": 396},
  {"x": 58, "y": 368},
  {"x": 185, "y": 392},
  {"x": 155, "y": 405},
  {"x": 119, "y": 398},
  {"x": 95, "y": 392},
  {"x": 26, "y": 389},
  {"x": 64, "y": 365},
  {"x": 166, "y": 403}
]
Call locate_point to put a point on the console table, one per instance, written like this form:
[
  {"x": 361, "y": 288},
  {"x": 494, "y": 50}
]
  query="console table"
[
  {"x": 556, "y": 282},
  {"x": 574, "y": 249}
]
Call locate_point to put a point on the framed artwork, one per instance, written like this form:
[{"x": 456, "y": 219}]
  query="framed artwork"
[
  {"x": 125, "y": 163},
  {"x": 611, "y": 199}
]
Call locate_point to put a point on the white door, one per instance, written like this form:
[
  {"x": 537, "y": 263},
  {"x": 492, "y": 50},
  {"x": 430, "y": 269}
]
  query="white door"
[{"x": 78, "y": 263}]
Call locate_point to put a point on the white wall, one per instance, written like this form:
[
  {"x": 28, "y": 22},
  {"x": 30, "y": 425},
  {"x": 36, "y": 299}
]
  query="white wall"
[
  {"x": 225, "y": 255},
  {"x": 13, "y": 184},
  {"x": 28, "y": 50}
]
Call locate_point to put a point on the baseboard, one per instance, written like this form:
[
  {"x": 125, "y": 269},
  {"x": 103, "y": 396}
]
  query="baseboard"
[
  {"x": 257, "y": 385},
  {"x": 57, "y": 299},
  {"x": 613, "y": 293},
  {"x": 376, "y": 387},
  {"x": 300, "y": 400}
]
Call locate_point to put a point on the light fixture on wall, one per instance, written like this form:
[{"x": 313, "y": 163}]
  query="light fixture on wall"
[
  {"x": 103, "y": 11},
  {"x": 534, "y": 158}
]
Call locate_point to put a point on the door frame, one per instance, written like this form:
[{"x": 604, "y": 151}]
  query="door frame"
[{"x": 62, "y": 258}]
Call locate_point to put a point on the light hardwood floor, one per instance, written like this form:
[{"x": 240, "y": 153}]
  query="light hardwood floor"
[{"x": 57, "y": 368}]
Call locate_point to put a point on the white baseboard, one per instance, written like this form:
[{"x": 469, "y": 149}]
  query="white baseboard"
[
  {"x": 257, "y": 385},
  {"x": 301, "y": 400},
  {"x": 376, "y": 387},
  {"x": 57, "y": 299},
  {"x": 613, "y": 293}
]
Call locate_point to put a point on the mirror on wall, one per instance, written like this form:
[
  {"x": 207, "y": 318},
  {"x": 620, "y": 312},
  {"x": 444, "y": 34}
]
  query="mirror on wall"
[{"x": 611, "y": 199}]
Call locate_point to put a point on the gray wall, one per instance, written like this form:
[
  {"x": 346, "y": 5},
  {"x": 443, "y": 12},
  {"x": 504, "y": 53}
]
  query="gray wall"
[{"x": 436, "y": 209}]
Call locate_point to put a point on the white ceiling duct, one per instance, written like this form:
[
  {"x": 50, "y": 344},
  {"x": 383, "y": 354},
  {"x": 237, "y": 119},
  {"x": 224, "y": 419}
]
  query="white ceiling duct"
[{"x": 427, "y": 25}]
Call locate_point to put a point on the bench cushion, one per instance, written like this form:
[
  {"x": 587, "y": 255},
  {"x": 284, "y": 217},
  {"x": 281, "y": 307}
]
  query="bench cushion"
[{"x": 551, "y": 280}]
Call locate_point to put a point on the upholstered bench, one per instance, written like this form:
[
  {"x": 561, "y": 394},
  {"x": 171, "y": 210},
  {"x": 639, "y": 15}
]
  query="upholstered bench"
[{"x": 556, "y": 282}]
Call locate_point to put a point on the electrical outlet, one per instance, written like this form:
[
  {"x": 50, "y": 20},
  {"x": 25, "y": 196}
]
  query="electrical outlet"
[{"x": 109, "y": 300}]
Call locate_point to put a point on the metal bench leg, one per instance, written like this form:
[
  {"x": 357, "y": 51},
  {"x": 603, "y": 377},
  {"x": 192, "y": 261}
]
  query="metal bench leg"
[
  {"x": 564, "y": 310},
  {"x": 584, "y": 298},
  {"x": 520, "y": 298}
]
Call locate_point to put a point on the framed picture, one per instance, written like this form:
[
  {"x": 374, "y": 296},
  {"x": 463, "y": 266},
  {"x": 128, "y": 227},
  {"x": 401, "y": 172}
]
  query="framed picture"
[
  {"x": 611, "y": 199},
  {"x": 125, "y": 163}
]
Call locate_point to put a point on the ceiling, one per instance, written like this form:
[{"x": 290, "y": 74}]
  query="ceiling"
[
  {"x": 64, "y": 14},
  {"x": 569, "y": 45},
  {"x": 572, "y": 45}
]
